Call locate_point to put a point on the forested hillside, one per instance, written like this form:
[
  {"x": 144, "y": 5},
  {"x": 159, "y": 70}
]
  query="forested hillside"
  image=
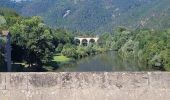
[{"x": 98, "y": 16}]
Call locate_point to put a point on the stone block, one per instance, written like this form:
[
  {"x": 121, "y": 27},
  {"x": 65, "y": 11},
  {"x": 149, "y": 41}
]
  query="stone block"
[
  {"x": 2, "y": 81},
  {"x": 50, "y": 94},
  {"x": 86, "y": 94},
  {"x": 100, "y": 94},
  {"x": 66, "y": 94},
  {"x": 129, "y": 81},
  {"x": 119, "y": 95},
  {"x": 5, "y": 95},
  {"x": 51, "y": 81},
  {"x": 89, "y": 80},
  {"x": 35, "y": 81},
  {"x": 159, "y": 80},
  {"x": 152, "y": 94},
  {"x": 17, "y": 81},
  {"x": 59, "y": 94},
  {"x": 67, "y": 80},
  {"x": 18, "y": 95},
  {"x": 34, "y": 95}
]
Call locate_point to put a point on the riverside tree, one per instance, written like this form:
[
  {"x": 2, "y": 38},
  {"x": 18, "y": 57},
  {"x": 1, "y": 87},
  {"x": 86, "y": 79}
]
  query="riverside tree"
[
  {"x": 1, "y": 52},
  {"x": 147, "y": 45},
  {"x": 32, "y": 38}
]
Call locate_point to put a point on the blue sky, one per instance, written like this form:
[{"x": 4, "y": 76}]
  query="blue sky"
[
  {"x": 20, "y": 0},
  {"x": 17, "y": 0}
]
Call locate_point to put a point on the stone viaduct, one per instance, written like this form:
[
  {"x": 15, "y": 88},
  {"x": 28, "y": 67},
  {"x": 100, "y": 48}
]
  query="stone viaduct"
[
  {"x": 85, "y": 86},
  {"x": 86, "y": 40}
]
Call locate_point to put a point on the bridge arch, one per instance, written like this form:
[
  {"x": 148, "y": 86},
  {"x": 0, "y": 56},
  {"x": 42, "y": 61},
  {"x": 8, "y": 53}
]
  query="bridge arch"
[
  {"x": 77, "y": 41},
  {"x": 85, "y": 41},
  {"x": 92, "y": 41}
]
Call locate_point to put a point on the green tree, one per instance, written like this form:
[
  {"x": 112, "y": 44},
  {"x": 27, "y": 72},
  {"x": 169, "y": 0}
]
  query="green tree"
[
  {"x": 69, "y": 51},
  {"x": 62, "y": 36},
  {"x": 2, "y": 43},
  {"x": 35, "y": 39}
]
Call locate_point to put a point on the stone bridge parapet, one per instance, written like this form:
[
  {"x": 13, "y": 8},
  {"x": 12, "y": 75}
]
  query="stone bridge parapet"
[{"x": 85, "y": 86}]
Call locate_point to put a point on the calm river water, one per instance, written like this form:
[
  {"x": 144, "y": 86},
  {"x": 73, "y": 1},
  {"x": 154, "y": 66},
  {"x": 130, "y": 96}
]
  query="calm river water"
[{"x": 108, "y": 62}]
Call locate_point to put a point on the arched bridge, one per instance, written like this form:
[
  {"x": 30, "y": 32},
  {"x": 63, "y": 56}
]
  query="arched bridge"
[{"x": 86, "y": 40}]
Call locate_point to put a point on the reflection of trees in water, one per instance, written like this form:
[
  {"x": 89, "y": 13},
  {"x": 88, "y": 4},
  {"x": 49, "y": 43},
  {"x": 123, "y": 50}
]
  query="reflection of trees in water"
[
  {"x": 110, "y": 61},
  {"x": 67, "y": 67},
  {"x": 85, "y": 60}
]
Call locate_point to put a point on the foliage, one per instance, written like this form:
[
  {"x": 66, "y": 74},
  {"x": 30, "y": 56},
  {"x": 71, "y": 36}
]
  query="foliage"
[
  {"x": 78, "y": 52},
  {"x": 82, "y": 51},
  {"x": 2, "y": 20},
  {"x": 148, "y": 45},
  {"x": 69, "y": 51},
  {"x": 59, "y": 48},
  {"x": 34, "y": 38},
  {"x": 62, "y": 37},
  {"x": 1, "y": 51},
  {"x": 130, "y": 48},
  {"x": 95, "y": 16}
]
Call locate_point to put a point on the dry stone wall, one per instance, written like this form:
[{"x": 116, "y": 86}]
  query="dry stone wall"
[{"x": 85, "y": 86}]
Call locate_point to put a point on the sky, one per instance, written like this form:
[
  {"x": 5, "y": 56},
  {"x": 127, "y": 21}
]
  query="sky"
[{"x": 19, "y": 0}]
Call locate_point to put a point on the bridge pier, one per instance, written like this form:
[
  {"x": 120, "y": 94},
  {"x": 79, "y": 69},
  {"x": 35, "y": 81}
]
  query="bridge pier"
[
  {"x": 81, "y": 42},
  {"x": 88, "y": 41}
]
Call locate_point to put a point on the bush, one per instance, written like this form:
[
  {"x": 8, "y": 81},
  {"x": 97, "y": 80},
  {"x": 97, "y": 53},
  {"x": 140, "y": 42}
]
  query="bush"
[
  {"x": 69, "y": 51},
  {"x": 59, "y": 48}
]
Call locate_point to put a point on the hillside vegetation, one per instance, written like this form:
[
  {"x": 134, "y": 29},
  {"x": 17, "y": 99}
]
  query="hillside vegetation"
[{"x": 97, "y": 16}]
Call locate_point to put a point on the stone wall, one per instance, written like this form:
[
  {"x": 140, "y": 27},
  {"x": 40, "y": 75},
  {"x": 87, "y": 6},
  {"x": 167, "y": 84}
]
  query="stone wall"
[{"x": 85, "y": 86}]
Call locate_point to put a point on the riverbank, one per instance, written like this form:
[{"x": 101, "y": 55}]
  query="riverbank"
[
  {"x": 58, "y": 60},
  {"x": 70, "y": 56},
  {"x": 104, "y": 62}
]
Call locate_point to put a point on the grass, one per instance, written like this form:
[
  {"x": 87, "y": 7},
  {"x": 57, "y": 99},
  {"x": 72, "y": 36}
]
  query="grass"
[
  {"x": 58, "y": 60},
  {"x": 61, "y": 59}
]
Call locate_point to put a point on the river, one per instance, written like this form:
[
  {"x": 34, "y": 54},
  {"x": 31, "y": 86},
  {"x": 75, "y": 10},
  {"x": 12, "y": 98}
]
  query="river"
[{"x": 109, "y": 62}]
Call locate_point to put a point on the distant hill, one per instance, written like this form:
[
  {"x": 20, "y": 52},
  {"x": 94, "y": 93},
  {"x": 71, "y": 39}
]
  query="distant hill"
[
  {"x": 97, "y": 15},
  {"x": 13, "y": 4}
]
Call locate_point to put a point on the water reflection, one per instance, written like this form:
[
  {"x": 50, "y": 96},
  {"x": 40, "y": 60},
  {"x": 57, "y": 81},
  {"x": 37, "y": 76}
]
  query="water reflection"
[{"x": 109, "y": 62}]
